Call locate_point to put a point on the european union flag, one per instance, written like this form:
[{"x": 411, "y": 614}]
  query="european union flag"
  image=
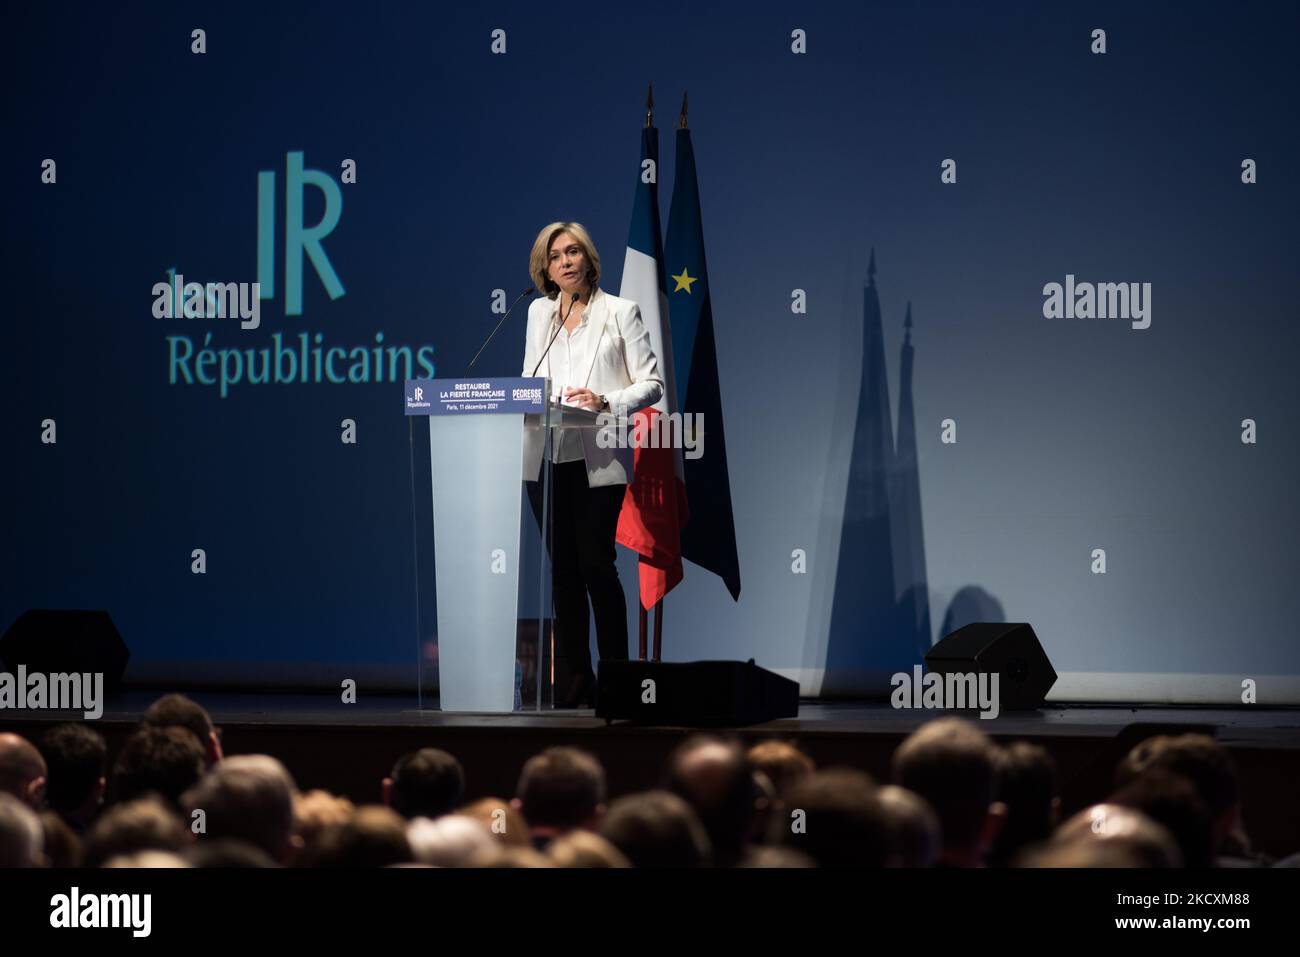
[{"x": 709, "y": 538}]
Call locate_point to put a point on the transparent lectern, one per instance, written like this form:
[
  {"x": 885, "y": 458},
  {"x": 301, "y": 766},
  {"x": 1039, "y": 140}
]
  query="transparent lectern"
[{"x": 479, "y": 540}]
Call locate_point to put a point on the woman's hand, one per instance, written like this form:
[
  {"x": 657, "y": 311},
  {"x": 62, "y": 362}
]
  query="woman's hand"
[{"x": 582, "y": 398}]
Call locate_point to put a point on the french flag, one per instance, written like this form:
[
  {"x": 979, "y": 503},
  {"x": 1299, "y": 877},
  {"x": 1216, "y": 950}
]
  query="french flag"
[{"x": 654, "y": 508}]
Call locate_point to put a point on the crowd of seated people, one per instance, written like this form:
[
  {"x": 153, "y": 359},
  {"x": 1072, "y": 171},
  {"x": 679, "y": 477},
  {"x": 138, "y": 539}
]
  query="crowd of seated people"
[{"x": 956, "y": 799}]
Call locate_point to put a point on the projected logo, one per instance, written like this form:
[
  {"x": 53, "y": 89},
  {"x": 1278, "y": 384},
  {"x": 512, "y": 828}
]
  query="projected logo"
[
  {"x": 298, "y": 238},
  {"x": 306, "y": 358}
]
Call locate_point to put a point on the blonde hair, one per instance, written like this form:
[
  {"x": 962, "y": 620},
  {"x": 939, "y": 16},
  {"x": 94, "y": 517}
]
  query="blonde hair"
[
  {"x": 585, "y": 849},
  {"x": 514, "y": 831},
  {"x": 539, "y": 259}
]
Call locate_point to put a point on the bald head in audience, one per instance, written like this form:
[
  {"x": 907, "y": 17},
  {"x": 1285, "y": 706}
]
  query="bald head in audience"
[
  {"x": 713, "y": 776},
  {"x": 1107, "y": 835}
]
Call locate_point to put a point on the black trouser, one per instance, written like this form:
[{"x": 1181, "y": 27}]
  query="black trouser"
[{"x": 584, "y": 521}]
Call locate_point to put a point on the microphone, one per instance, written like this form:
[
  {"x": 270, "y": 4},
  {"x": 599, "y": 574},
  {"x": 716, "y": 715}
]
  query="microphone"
[
  {"x": 576, "y": 297},
  {"x": 530, "y": 289}
]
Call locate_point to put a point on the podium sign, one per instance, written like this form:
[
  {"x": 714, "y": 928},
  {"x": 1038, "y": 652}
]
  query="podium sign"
[{"x": 474, "y": 396}]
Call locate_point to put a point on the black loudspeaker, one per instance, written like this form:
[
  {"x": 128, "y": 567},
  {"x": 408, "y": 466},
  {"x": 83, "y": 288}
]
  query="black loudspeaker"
[
  {"x": 66, "y": 642},
  {"x": 694, "y": 693},
  {"x": 1011, "y": 651}
]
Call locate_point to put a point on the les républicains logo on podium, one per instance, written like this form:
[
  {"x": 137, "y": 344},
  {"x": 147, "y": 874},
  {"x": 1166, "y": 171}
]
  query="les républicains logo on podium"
[{"x": 215, "y": 357}]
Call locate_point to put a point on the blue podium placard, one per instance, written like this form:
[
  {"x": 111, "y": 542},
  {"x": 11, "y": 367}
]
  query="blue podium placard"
[{"x": 474, "y": 396}]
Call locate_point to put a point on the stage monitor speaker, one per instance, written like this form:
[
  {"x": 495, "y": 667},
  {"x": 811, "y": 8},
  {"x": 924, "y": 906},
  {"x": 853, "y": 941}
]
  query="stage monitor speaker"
[
  {"x": 694, "y": 693},
  {"x": 64, "y": 642},
  {"x": 1011, "y": 651}
]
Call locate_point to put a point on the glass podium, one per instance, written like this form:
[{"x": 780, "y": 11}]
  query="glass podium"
[{"x": 480, "y": 463}]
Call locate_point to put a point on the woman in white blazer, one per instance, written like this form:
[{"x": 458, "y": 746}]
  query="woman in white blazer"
[{"x": 601, "y": 360}]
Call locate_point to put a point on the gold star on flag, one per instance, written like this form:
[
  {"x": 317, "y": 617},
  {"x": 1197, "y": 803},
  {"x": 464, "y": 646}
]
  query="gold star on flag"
[{"x": 684, "y": 281}]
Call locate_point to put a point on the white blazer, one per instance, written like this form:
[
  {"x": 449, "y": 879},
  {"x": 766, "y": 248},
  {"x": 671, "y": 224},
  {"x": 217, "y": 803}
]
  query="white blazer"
[{"x": 619, "y": 365}]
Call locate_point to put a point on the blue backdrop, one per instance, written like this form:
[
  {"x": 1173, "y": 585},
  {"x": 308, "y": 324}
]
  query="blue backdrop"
[{"x": 1071, "y": 434}]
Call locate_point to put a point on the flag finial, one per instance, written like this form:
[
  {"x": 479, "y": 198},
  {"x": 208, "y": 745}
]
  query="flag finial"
[
  {"x": 871, "y": 268},
  {"x": 907, "y": 323},
  {"x": 649, "y": 105},
  {"x": 681, "y": 120}
]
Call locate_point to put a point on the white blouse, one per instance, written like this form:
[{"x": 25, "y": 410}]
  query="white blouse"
[{"x": 568, "y": 364}]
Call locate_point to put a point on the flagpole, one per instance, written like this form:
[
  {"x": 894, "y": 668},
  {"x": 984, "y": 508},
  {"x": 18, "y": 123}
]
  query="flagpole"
[
  {"x": 640, "y": 652},
  {"x": 659, "y": 605},
  {"x": 659, "y": 627},
  {"x": 640, "y": 606}
]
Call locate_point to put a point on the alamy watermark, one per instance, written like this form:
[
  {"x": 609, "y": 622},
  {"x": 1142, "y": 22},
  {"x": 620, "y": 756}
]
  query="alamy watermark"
[
  {"x": 1102, "y": 300},
  {"x": 82, "y": 692},
  {"x": 215, "y": 300},
  {"x": 667, "y": 430},
  {"x": 130, "y": 911},
  {"x": 958, "y": 691}
]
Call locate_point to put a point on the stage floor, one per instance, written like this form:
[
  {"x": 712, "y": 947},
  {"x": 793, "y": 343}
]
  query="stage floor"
[{"x": 1275, "y": 727}]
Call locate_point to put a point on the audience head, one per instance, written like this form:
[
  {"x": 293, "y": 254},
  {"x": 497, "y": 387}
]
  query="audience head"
[
  {"x": 501, "y": 819},
  {"x": 425, "y": 783},
  {"x": 77, "y": 760},
  {"x": 560, "y": 789},
  {"x": 226, "y": 853},
  {"x": 1203, "y": 761},
  {"x": 1171, "y": 799},
  {"x": 762, "y": 856},
  {"x": 450, "y": 841},
  {"x": 22, "y": 770},
  {"x": 316, "y": 812},
  {"x": 836, "y": 817},
  {"x": 781, "y": 761},
  {"x": 162, "y": 761},
  {"x": 141, "y": 825},
  {"x": 952, "y": 764},
  {"x": 1027, "y": 788},
  {"x": 713, "y": 777},
  {"x": 178, "y": 711},
  {"x": 374, "y": 836},
  {"x": 21, "y": 836},
  {"x": 1106, "y": 835},
  {"x": 656, "y": 829},
  {"x": 585, "y": 849},
  {"x": 913, "y": 825},
  {"x": 147, "y": 859},
  {"x": 767, "y": 806},
  {"x": 61, "y": 845},
  {"x": 250, "y": 798},
  {"x": 502, "y": 855}
]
